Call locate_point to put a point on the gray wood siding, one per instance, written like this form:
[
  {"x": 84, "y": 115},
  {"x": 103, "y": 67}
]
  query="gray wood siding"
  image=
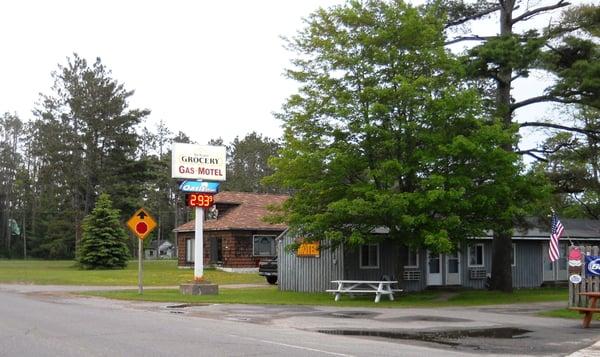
[
  {"x": 307, "y": 274},
  {"x": 389, "y": 254},
  {"x": 416, "y": 285},
  {"x": 527, "y": 272},
  {"x": 315, "y": 274},
  {"x": 487, "y": 261}
]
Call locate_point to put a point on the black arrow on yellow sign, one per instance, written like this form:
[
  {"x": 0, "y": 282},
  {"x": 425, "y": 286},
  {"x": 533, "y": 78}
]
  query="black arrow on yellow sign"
[{"x": 141, "y": 223}]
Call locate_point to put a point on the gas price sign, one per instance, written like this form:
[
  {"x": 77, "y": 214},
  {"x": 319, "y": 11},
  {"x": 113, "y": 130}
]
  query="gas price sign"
[{"x": 203, "y": 200}]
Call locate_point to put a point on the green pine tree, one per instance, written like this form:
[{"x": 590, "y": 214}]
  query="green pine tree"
[{"x": 104, "y": 241}]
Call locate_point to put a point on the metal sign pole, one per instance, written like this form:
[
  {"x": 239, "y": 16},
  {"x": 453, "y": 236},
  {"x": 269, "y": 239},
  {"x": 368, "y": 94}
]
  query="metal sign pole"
[
  {"x": 140, "y": 267},
  {"x": 141, "y": 224},
  {"x": 199, "y": 245}
]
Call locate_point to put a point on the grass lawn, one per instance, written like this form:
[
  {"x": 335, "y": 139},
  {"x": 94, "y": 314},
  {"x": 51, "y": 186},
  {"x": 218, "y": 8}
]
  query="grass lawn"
[
  {"x": 567, "y": 314},
  {"x": 271, "y": 295},
  {"x": 156, "y": 273}
]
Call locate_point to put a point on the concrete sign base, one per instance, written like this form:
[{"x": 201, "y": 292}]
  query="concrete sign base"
[{"x": 199, "y": 289}]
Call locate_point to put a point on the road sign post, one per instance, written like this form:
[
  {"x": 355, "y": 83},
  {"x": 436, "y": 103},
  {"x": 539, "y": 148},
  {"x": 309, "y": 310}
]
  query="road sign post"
[
  {"x": 140, "y": 267},
  {"x": 141, "y": 224}
]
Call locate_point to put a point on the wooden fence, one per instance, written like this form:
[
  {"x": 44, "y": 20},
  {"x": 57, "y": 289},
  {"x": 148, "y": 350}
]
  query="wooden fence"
[{"x": 588, "y": 283}]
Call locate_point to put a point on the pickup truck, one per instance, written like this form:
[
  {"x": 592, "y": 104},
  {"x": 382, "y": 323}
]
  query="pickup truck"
[{"x": 268, "y": 269}]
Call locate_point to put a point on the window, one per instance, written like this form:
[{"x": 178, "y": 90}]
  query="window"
[
  {"x": 476, "y": 255},
  {"x": 513, "y": 255},
  {"x": 564, "y": 253},
  {"x": 263, "y": 246},
  {"x": 189, "y": 250},
  {"x": 369, "y": 256},
  {"x": 412, "y": 261}
]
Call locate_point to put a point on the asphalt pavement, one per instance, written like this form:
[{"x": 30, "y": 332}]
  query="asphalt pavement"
[{"x": 278, "y": 330}]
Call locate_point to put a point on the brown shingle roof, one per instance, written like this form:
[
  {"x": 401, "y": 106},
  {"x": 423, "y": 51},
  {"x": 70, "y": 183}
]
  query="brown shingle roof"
[{"x": 247, "y": 214}]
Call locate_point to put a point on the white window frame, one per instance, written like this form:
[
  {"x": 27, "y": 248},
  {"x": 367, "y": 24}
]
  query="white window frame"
[
  {"x": 360, "y": 255},
  {"x": 416, "y": 252},
  {"x": 482, "y": 255},
  {"x": 273, "y": 245},
  {"x": 189, "y": 250},
  {"x": 513, "y": 263}
]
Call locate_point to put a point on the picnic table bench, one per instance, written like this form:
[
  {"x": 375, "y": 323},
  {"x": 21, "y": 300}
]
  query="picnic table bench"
[
  {"x": 351, "y": 287},
  {"x": 590, "y": 309}
]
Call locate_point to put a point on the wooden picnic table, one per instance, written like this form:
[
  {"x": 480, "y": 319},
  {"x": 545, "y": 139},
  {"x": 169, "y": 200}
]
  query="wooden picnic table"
[
  {"x": 377, "y": 287},
  {"x": 590, "y": 309}
]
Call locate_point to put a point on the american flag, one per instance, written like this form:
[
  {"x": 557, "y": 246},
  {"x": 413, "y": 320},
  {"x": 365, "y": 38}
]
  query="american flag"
[{"x": 555, "y": 233}]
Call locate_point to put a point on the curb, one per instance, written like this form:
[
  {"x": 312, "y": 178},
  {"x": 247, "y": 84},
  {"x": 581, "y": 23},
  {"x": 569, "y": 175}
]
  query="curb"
[{"x": 591, "y": 351}]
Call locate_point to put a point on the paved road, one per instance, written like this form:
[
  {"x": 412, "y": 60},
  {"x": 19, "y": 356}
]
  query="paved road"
[
  {"x": 44, "y": 321},
  {"x": 35, "y": 324}
]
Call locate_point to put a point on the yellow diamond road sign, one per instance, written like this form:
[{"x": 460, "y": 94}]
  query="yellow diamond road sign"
[{"x": 141, "y": 223}]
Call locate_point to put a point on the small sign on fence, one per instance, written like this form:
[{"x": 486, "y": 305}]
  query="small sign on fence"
[
  {"x": 592, "y": 265},
  {"x": 584, "y": 273}
]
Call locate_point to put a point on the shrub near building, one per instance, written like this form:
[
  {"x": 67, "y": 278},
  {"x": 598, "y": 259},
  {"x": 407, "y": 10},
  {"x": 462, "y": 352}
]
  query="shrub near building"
[{"x": 104, "y": 241}]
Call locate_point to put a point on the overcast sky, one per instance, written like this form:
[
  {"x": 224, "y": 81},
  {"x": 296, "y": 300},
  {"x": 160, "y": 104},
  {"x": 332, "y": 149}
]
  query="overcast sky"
[{"x": 207, "y": 68}]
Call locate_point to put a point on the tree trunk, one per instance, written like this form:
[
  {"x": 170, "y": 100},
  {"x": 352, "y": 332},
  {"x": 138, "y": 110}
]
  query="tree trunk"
[
  {"x": 502, "y": 243},
  {"x": 501, "y": 262}
]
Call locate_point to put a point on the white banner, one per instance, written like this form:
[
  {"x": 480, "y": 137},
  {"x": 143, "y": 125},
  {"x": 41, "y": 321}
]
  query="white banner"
[{"x": 198, "y": 162}]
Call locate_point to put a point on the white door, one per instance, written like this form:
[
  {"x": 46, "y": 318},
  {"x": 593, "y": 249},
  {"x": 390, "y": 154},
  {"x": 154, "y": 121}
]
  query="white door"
[
  {"x": 555, "y": 270},
  {"x": 434, "y": 269},
  {"x": 561, "y": 263},
  {"x": 453, "y": 268}
]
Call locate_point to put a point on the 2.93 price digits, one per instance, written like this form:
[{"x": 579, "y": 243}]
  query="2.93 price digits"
[{"x": 199, "y": 200}]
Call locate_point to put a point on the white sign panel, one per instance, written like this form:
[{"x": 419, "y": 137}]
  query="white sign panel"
[{"x": 198, "y": 162}]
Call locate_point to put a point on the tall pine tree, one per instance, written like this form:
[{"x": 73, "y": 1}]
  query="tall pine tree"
[
  {"x": 566, "y": 48},
  {"x": 86, "y": 142}
]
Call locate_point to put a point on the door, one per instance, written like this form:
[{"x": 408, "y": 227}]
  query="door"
[
  {"x": 216, "y": 250},
  {"x": 555, "y": 270},
  {"x": 453, "y": 268},
  {"x": 434, "y": 269},
  {"x": 561, "y": 263}
]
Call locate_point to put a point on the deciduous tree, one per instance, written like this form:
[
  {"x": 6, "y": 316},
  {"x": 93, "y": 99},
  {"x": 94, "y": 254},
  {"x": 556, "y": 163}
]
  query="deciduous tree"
[{"x": 384, "y": 133}]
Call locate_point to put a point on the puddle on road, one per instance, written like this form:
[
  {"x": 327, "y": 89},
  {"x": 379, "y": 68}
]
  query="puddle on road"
[
  {"x": 428, "y": 318},
  {"x": 512, "y": 311},
  {"x": 352, "y": 314},
  {"x": 448, "y": 337},
  {"x": 182, "y": 306},
  {"x": 238, "y": 318}
]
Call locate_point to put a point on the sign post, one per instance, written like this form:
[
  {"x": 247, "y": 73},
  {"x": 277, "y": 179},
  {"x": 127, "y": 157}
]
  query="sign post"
[
  {"x": 201, "y": 201},
  {"x": 198, "y": 165},
  {"x": 140, "y": 268},
  {"x": 141, "y": 224},
  {"x": 199, "y": 247}
]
